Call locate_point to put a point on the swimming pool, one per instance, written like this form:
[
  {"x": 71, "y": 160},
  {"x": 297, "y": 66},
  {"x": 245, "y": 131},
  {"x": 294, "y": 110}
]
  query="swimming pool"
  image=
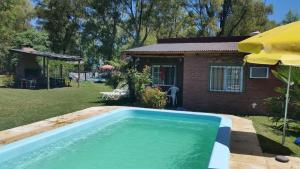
[{"x": 129, "y": 138}]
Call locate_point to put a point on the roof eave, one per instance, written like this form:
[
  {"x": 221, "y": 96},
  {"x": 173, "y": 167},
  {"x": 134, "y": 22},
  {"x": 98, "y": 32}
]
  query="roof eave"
[
  {"x": 48, "y": 55},
  {"x": 177, "y": 52}
]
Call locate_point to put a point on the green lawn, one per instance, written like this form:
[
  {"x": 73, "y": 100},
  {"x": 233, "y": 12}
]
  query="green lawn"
[
  {"x": 1, "y": 77},
  {"x": 270, "y": 136},
  {"x": 22, "y": 106}
]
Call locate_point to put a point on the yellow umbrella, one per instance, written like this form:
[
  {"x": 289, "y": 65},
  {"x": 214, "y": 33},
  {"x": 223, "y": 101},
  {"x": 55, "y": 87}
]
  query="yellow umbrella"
[
  {"x": 280, "y": 45},
  {"x": 283, "y": 38},
  {"x": 287, "y": 58}
]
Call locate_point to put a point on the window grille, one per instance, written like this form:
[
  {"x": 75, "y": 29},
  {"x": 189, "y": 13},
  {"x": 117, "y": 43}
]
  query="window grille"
[{"x": 226, "y": 78}]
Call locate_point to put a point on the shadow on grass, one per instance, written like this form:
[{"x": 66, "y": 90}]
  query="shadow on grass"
[
  {"x": 246, "y": 143},
  {"x": 272, "y": 147},
  {"x": 121, "y": 102},
  {"x": 291, "y": 131}
]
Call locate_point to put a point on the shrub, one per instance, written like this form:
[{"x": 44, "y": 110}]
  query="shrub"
[
  {"x": 275, "y": 107},
  {"x": 276, "y": 104},
  {"x": 141, "y": 79},
  {"x": 124, "y": 73},
  {"x": 8, "y": 80},
  {"x": 153, "y": 98}
]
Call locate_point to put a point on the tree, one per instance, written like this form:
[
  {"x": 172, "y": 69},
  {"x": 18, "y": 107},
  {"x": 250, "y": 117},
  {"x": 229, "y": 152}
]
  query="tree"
[
  {"x": 226, "y": 11},
  {"x": 290, "y": 17},
  {"x": 171, "y": 20},
  {"x": 205, "y": 15},
  {"x": 62, "y": 19},
  {"x": 31, "y": 37},
  {"x": 14, "y": 16},
  {"x": 246, "y": 17},
  {"x": 101, "y": 29},
  {"x": 137, "y": 22},
  {"x": 5, "y": 5}
]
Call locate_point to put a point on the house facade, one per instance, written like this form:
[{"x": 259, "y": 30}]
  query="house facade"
[{"x": 209, "y": 72}]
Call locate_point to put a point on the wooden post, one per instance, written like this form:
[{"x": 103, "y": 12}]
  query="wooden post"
[
  {"x": 44, "y": 69},
  {"x": 78, "y": 80},
  {"x": 61, "y": 80},
  {"x": 61, "y": 70},
  {"x": 48, "y": 78}
]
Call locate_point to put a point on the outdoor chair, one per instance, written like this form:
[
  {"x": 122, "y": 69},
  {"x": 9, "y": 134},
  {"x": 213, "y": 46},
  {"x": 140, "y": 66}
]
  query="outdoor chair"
[
  {"x": 172, "y": 94},
  {"x": 32, "y": 84}
]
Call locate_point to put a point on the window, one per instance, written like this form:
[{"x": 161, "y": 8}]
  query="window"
[
  {"x": 164, "y": 75},
  {"x": 259, "y": 72},
  {"x": 226, "y": 78}
]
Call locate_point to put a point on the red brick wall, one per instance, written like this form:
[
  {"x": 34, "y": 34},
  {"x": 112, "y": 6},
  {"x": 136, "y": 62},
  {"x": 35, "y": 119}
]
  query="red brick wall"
[{"x": 196, "y": 94}]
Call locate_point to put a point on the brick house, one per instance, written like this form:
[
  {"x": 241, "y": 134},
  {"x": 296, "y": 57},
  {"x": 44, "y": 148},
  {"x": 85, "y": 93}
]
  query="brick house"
[{"x": 209, "y": 72}]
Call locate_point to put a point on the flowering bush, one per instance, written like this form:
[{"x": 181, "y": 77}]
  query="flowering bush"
[{"x": 153, "y": 98}]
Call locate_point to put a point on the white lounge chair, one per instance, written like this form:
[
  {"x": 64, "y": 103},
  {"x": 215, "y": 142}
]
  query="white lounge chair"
[{"x": 114, "y": 95}]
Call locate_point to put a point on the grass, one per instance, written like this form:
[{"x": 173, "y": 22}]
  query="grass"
[
  {"x": 1, "y": 77},
  {"x": 270, "y": 136},
  {"x": 22, "y": 106}
]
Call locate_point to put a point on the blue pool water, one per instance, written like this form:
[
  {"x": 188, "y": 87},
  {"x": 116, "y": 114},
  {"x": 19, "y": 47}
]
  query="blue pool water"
[{"x": 126, "y": 139}]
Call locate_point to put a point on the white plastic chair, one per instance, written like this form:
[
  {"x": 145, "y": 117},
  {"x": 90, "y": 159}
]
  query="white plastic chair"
[{"x": 173, "y": 94}]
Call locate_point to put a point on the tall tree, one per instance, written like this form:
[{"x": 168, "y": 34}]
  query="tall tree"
[
  {"x": 101, "y": 28},
  {"x": 137, "y": 20},
  {"x": 171, "y": 19},
  {"x": 226, "y": 11},
  {"x": 205, "y": 15},
  {"x": 246, "y": 17},
  {"x": 291, "y": 16},
  {"x": 14, "y": 17},
  {"x": 62, "y": 19}
]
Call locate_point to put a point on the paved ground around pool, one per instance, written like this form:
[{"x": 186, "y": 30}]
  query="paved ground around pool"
[{"x": 245, "y": 150}]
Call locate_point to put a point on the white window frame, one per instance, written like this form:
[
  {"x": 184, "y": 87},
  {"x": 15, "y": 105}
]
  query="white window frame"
[
  {"x": 266, "y": 77},
  {"x": 225, "y": 88},
  {"x": 157, "y": 65}
]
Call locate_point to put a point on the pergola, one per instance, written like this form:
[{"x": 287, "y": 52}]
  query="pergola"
[{"x": 49, "y": 56}]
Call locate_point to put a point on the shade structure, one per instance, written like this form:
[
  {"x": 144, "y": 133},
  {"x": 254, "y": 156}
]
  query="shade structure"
[
  {"x": 283, "y": 38},
  {"x": 27, "y": 51},
  {"x": 280, "y": 45}
]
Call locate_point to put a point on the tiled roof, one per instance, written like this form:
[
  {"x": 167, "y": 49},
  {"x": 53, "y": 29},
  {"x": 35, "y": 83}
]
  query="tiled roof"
[{"x": 180, "y": 48}]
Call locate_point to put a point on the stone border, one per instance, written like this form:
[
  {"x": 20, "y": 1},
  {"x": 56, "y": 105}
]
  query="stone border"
[{"x": 18, "y": 133}]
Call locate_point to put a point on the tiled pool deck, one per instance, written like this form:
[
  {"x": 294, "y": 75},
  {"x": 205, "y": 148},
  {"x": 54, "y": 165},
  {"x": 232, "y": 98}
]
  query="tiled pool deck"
[{"x": 245, "y": 150}]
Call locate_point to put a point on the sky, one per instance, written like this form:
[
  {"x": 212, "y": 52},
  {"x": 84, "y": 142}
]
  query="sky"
[{"x": 281, "y": 7}]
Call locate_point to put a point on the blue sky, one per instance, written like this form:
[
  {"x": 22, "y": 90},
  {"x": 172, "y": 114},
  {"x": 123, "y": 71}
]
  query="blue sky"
[{"x": 281, "y": 7}]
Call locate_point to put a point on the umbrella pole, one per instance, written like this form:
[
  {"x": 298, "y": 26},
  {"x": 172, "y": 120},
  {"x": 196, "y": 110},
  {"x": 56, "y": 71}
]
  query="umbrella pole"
[{"x": 286, "y": 105}]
